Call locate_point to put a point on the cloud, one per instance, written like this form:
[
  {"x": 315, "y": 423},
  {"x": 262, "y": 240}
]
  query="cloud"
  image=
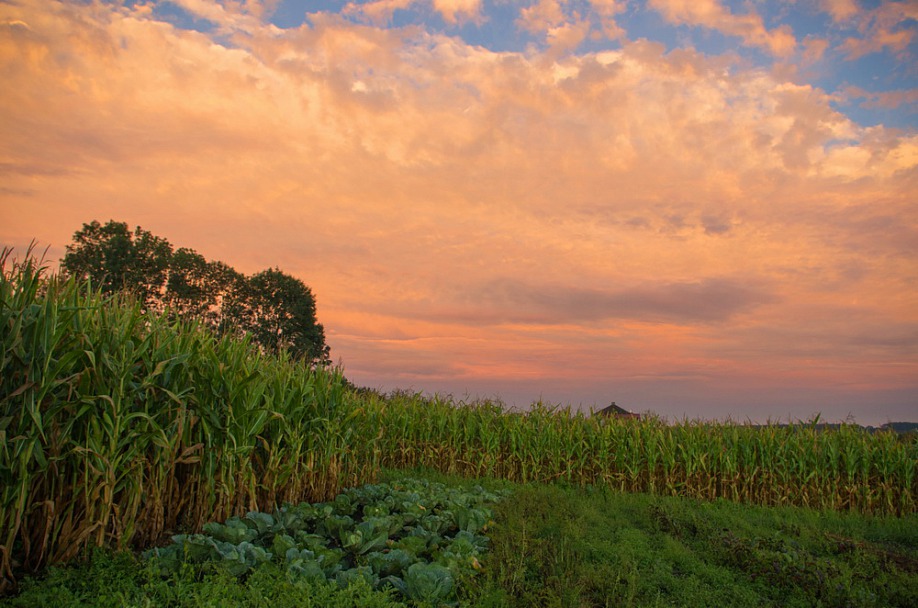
[
  {"x": 455, "y": 11},
  {"x": 379, "y": 12},
  {"x": 713, "y": 15},
  {"x": 608, "y": 10},
  {"x": 882, "y": 28},
  {"x": 562, "y": 29},
  {"x": 228, "y": 15},
  {"x": 840, "y": 10},
  {"x": 510, "y": 300},
  {"x": 887, "y": 100},
  {"x": 470, "y": 216},
  {"x": 542, "y": 16}
]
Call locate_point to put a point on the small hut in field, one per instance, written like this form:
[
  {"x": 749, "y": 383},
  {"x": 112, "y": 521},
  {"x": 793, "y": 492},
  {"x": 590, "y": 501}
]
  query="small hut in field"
[{"x": 614, "y": 411}]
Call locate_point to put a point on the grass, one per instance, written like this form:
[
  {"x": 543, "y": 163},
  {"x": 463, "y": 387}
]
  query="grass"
[
  {"x": 564, "y": 546},
  {"x": 556, "y": 545},
  {"x": 121, "y": 581}
]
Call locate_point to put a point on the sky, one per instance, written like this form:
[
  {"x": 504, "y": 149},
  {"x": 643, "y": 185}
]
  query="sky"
[{"x": 700, "y": 208}]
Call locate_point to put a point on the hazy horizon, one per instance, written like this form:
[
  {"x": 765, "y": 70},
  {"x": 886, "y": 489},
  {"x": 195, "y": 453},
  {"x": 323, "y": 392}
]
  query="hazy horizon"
[{"x": 703, "y": 209}]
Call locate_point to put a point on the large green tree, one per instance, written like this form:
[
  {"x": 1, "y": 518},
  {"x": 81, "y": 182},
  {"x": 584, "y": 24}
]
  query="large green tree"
[
  {"x": 277, "y": 310},
  {"x": 203, "y": 290},
  {"x": 116, "y": 259}
]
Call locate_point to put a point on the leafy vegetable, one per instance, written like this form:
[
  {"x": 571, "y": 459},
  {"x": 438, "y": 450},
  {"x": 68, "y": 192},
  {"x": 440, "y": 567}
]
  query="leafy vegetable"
[
  {"x": 414, "y": 536},
  {"x": 428, "y": 582}
]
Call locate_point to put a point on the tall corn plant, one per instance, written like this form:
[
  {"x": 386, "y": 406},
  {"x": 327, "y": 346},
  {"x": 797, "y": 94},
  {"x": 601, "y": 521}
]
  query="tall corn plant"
[
  {"x": 40, "y": 339},
  {"x": 116, "y": 426},
  {"x": 845, "y": 468}
]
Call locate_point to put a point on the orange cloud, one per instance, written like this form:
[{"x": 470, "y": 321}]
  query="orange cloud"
[
  {"x": 840, "y": 10},
  {"x": 607, "y": 11},
  {"x": 883, "y": 28},
  {"x": 454, "y": 11},
  {"x": 713, "y": 15},
  {"x": 562, "y": 31},
  {"x": 380, "y": 11},
  {"x": 885, "y": 99},
  {"x": 540, "y": 220},
  {"x": 377, "y": 11}
]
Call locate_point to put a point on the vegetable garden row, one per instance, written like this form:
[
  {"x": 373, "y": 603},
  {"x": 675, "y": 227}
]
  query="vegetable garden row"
[{"x": 118, "y": 427}]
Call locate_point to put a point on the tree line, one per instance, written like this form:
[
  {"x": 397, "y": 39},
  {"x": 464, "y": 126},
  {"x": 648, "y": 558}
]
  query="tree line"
[{"x": 276, "y": 310}]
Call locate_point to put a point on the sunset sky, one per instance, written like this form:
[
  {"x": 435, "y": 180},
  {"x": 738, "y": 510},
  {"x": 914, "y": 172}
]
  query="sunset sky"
[{"x": 703, "y": 208}]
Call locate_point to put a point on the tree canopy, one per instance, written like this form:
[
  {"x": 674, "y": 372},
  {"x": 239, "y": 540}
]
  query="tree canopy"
[
  {"x": 276, "y": 310},
  {"x": 114, "y": 259}
]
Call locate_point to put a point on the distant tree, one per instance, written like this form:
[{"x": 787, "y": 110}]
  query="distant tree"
[
  {"x": 279, "y": 312},
  {"x": 203, "y": 290},
  {"x": 114, "y": 259}
]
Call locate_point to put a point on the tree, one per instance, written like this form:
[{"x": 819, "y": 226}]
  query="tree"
[
  {"x": 116, "y": 259},
  {"x": 203, "y": 290},
  {"x": 279, "y": 312}
]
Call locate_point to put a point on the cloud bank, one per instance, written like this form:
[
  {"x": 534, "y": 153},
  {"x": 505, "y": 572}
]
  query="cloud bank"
[{"x": 657, "y": 226}]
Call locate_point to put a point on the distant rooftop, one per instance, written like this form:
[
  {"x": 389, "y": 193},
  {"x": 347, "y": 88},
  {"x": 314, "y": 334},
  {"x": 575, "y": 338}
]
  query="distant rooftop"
[{"x": 615, "y": 410}]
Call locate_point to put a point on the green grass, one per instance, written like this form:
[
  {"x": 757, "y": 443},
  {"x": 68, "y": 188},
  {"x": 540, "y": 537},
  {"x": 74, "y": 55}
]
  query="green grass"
[
  {"x": 562, "y": 546},
  {"x": 120, "y": 580}
]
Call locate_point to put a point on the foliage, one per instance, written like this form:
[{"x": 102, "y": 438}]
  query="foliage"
[
  {"x": 412, "y": 535},
  {"x": 117, "y": 425},
  {"x": 564, "y": 546},
  {"x": 117, "y": 259},
  {"x": 558, "y": 545},
  {"x": 843, "y": 468},
  {"x": 198, "y": 289},
  {"x": 277, "y": 310},
  {"x": 121, "y": 581}
]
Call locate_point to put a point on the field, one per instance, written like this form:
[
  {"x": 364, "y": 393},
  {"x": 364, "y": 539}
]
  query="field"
[
  {"x": 557, "y": 545},
  {"x": 118, "y": 429}
]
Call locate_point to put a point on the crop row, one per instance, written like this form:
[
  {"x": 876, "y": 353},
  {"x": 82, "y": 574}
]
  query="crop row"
[
  {"x": 842, "y": 469},
  {"x": 117, "y": 427}
]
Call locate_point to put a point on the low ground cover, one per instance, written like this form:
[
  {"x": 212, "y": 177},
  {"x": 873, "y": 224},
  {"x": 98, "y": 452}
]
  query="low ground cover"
[
  {"x": 565, "y": 546},
  {"x": 415, "y": 537},
  {"x": 559, "y": 545}
]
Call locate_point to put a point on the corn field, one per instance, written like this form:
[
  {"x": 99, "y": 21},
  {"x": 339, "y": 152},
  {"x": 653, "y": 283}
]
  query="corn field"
[
  {"x": 847, "y": 468},
  {"x": 118, "y": 427}
]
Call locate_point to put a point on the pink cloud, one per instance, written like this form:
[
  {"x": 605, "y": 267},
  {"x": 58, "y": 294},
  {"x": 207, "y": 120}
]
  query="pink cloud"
[
  {"x": 887, "y": 100},
  {"x": 229, "y": 15},
  {"x": 377, "y": 11},
  {"x": 713, "y": 15},
  {"x": 380, "y": 12},
  {"x": 840, "y": 10},
  {"x": 542, "y": 16},
  {"x": 454, "y": 11},
  {"x": 468, "y": 218},
  {"x": 883, "y": 28},
  {"x": 563, "y": 30},
  {"x": 607, "y": 11}
]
